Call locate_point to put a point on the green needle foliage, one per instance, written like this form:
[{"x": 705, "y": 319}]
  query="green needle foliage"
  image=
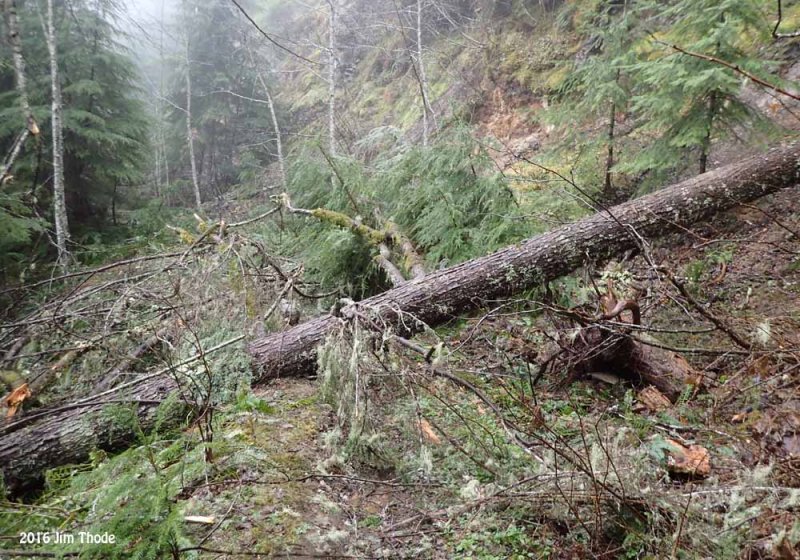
[
  {"x": 233, "y": 136},
  {"x": 648, "y": 107},
  {"x": 600, "y": 84},
  {"x": 685, "y": 102},
  {"x": 447, "y": 198},
  {"x": 105, "y": 125}
]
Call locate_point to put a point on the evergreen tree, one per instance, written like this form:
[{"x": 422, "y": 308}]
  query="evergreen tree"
[
  {"x": 600, "y": 83},
  {"x": 687, "y": 102},
  {"x": 228, "y": 125},
  {"x": 104, "y": 123},
  {"x": 104, "y": 117}
]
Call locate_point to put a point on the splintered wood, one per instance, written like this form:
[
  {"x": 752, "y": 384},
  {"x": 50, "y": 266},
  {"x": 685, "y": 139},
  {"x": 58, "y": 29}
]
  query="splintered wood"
[{"x": 691, "y": 461}]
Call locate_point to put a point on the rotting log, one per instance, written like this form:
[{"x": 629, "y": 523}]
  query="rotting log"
[
  {"x": 67, "y": 435},
  {"x": 609, "y": 349},
  {"x": 445, "y": 294}
]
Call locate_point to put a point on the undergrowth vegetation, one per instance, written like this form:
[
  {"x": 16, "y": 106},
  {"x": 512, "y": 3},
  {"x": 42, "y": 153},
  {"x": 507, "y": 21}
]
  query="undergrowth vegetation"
[
  {"x": 515, "y": 466},
  {"x": 449, "y": 199},
  {"x": 492, "y": 436}
]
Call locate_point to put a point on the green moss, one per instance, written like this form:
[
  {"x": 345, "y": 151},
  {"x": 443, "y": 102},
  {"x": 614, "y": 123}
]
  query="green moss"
[{"x": 373, "y": 236}]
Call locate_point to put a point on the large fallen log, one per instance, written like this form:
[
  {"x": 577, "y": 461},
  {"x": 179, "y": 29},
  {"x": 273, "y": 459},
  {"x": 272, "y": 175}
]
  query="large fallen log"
[
  {"x": 67, "y": 435},
  {"x": 444, "y": 294}
]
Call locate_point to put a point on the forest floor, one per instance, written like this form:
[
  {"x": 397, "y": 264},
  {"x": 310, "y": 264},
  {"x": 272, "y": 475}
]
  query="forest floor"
[
  {"x": 387, "y": 455},
  {"x": 479, "y": 499},
  {"x": 471, "y": 454}
]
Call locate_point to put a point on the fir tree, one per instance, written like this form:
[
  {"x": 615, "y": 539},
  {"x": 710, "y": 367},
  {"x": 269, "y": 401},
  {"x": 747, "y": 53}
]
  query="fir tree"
[
  {"x": 600, "y": 83},
  {"x": 686, "y": 102},
  {"x": 227, "y": 125},
  {"x": 105, "y": 125}
]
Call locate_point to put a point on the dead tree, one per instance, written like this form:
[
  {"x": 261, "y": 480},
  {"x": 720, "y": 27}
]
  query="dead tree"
[
  {"x": 66, "y": 435},
  {"x": 445, "y": 294}
]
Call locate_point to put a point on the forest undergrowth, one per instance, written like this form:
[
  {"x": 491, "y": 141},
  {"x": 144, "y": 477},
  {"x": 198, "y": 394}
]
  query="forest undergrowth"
[{"x": 465, "y": 442}]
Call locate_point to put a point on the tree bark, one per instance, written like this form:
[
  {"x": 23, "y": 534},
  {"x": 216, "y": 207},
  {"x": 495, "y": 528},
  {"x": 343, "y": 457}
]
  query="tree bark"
[
  {"x": 68, "y": 434},
  {"x": 332, "y": 78},
  {"x": 59, "y": 198},
  {"x": 422, "y": 79},
  {"x": 705, "y": 146},
  {"x": 189, "y": 133},
  {"x": 31, "y": 127},
  {"x": 443, "y": 295}
]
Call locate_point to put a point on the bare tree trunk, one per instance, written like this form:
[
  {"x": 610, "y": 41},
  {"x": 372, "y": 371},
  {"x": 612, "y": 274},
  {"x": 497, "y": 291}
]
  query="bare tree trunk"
[
  {"x": 59, "y": 201},
  {"x": 68, "y": 434},
  {"x": 423, "y": 80},
  {"x": 444, "y": 294},
  {"x": 12, "y": 24},
  {"x": 332, "y": 61},
  {"x": 608, "y": 186},
  {"x": 706, "y": 145},
  {"x": 275, "y": 126},
  {"x": 162, "y": 142},
  {"x": 189, "y": 132},
  {"x": 157, "y": 170}
]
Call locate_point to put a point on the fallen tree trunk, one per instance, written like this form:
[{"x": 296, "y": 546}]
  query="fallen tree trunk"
[
  {"x": 444, "y": 294},
  {"x": 67, "y": 435}
]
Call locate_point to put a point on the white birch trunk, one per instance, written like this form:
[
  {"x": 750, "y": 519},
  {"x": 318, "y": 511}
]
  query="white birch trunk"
[
  {"x": 12, "y": 24},
  {"x": 59, "y": 201},
  {"x": 189, "y": 134},
  {"x": 332, "y": 78}
]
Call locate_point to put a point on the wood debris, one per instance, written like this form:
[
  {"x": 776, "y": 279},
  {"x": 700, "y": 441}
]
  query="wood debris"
[
  {"x": 653, "y": 400},
  {"x": 687, "y": 461},
  {"x": 15, "y": 399}
]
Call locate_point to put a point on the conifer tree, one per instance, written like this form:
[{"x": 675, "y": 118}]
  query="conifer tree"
[
  {"x": 686, "y": 102},
  {"x": 104, "y": 124},
  {"x": 228, "y": 119},
  {"x": 600, "y": 83}
]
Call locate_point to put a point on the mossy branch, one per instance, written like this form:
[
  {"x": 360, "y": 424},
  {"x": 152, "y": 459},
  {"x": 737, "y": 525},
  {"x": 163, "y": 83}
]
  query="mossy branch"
[
  {"x": 411, "y": 257},
  {"x": 382, "y": 240}
]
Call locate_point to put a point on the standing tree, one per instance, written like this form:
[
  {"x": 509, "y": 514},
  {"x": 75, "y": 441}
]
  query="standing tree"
[
  {"x": 600, "y": 82},
  {"x": 423, "y": 80},
  {"x": 262, "y": 80},
  {"x": 332, "y": 63},
  {"x": 216, "y": 94},
  {"x": 31, "y": 126},
  {"x": 59, "y": 197},
  {"x": 102, "y": 122},
  {"x": 189, "y": 131},
  {"x": 688, "y": 101}
]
